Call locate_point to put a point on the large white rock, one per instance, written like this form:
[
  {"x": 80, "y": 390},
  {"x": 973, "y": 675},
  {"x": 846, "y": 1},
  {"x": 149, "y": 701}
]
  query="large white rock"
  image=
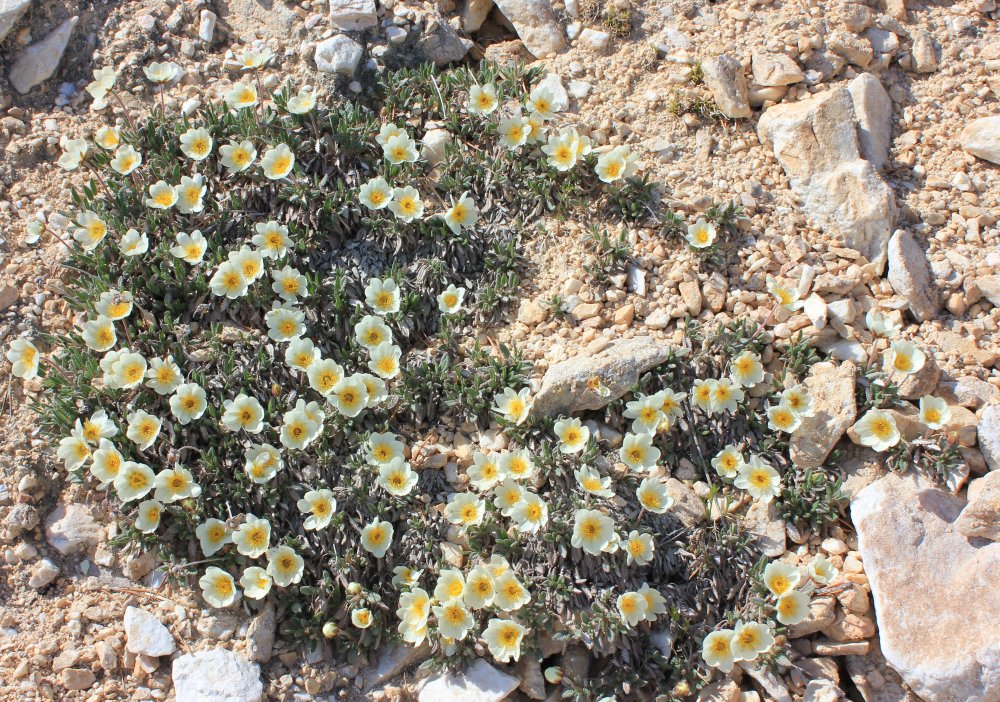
[
  {"x": 71, "y": 528},
  {"x": 935, "y": 592},
  {"x": 216, "y": 675},
  {"x": 834, "y": 410},
  {"x": 774, "y": 69},
  {"x": 474, "y": 13},
  {"x": 146, "y": 634},
  {"x": 38, "y": 62},
  {"x": 338, "y": 54},
  {"x": 816, "y": 142},
  {"x": 724, "y": 77},
  {"x": 910, "y": 276},
  {"x": 988, "y": 435},
  {"x": 873, "y": 110},
  {"x": 535, "y": 23},
  {"x": 353, "y": 15},
  {"x": 10, "y": 13},
  {"x": 480, "y": 683},
  {"x": 981, "y": 138}
]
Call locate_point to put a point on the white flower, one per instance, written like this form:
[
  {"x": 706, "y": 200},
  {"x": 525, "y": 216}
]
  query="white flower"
[
  {"x": 638, "y": 548},
  {"x": 746, "y": 370},
  {"x": 302, "y": 102},
  {"x": 631, "y": 608},
  {"x": 249, "y": 262},
  {"x": 213, "y": 534},
  {"x": 701, "y": 394},
  {"x": 646, "y": 414},
  {"x": 905, "y": 358},
  {"x": 143, "y": 428},
  {"x": 90, "y": 230},
  {"x": 190, "y": 247},
  {"x": 301, "y": 353},
  {"x": 616, "y": 164},
  {"x": 277, "y": 162},
  {"x": 73, "y": 451},
  {"x": 263, "y": 461},
  {"x": 877, "y": 429},
  {"x": 162, "y": 196},
  {"x": 350, "y": 396},
  {"x": 243, "y": 412},
  {"x": 517, "y": 465},
  {"x": 934, "y": 412},
  {"x": 781, "y": 417},
  {"x": 454, "y": 619},
  {"x": 134, "y": 481},
  {"x": 484, "y": 473},
  {"x": 190, "y": 194},
  {"x": 196, "y": 143},
  {"x": 382, "y": 296},
  {"x": 163, "y": 72},
  {"x": 375, "y": 194},
  {"x": 175, "y": 484},
  {"x": 284, "y": 566},
  {"x": 188, "y": 402},
  {"x": 104, "y": 80},
  {"x": 383, "y": 448},
  {"x": 798, "y": 399},
  {"x": 531, "y": 513},
  {"x": 786, "y": 296},
  {"x": 561, "y": 150},
  {"x": 479, "y": 591},
  {"x": 284, "y": 322},
  {"x": 376, "y": 538},
  {"x": 371, "y": 331},
  {"x": 701, "y": 234},
  {"x": 507, "y": 495},
  {"x": 297, "y": 429},
  {"x": 126, "y": 160},
  {"x": 503, "y": 638},
  {"x": 573, "y": 436},
  {"x": 147, "y": 517},
  {"x": 133, "y": 243},
  {"x": 253, "y": 537},
  {"x": 725, "y": 396},
  {"x": 397, "y": 477},
  {"x": 387, "y": 132},
  {"x": 881, "y": 325},
  {"x": 361, "y": 618},
  {"x": 593, "y": 482},
  {"x": 375, "y": 386},
  {"x": 482, "y": 99},
  {"x": 218, "y": 587},
  {"x": 272, "y": 239},
  {"x": 74, "y": 151},
  {"x": 513, "y": 406},
  {"x": 638, "y": 453},
  {"x": 450, "y": 585},
  {"x": 463, "y": 213},
  {"x": 384, "y": 361},
  {"x": 163, "y": 375},
  {"x": 728, "y": 461},
  {"x": 33, "y": 232},
  {"x": 594, "y": 532},
  {"x": 715, "y": 649},
  {"x": 106, "y": 462},
  {"x": 406, "y": 204},
  {"x": 542, "y": 102},
  {"x": 750, "y": 639},
  {"x": 792, "y": 608},
  {"x": 99, "y": 334},
  {"x": 509, "y": 593},
  {"x": 400, "y": 149},
  {"x": 289, "y": 284},
  {"x": 241, "y": 96},
  {"x": 653, "y": 496},
  {"x": 464, "y": 509},
  {"x": 238, "y": 155},
  {"x": 23, "y": 356},
  {"x": 780, "y": 578},
  {"x": 98, "y": 426},
  {"x": 254, "y": 58},
  {"x": 256, "y": 583},
  {"x": 108, "y": 138},
  {"x": 128, "y": 370},
  {"x": 656, "y": 603},
  {"x": 514, "y": 131},
  {"x": 759, "y": 479},
  {"x": 821, "y": 570}
]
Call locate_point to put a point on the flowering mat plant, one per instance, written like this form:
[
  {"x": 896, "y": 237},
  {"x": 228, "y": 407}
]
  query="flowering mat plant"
[{"x": 275, "y": 297}]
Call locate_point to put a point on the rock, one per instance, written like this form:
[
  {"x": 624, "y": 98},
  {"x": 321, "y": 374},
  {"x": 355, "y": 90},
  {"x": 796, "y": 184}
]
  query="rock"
[
  {"x": 216, "y": 675},
  {"x": 988, "y": 434},
  {"x": 474, "y": 13},
  {"x": 768, "y": 680},
  {"x": 724, "y": 77},
  {"x": 43, "y": 573},
  {"x": 774, "y": 69},
  {"x": 392, "y": 659},
  {"x": 206, "y": 26},
  {"x": 691, "y": 294},
  {"x": 816, "y": 142},
  {"x": 910, "y": 276},
  {"x": 353, "y": 15},
  {"x": 219, "y": 624},
  {"x": 816, "y": 310},
  {"x": 722, "y": 691},
  {"x": 531, "y": 313},
  {"x": 38, "y": 62},
  {"x": 918, "y": 566},
  {"x": 481, "y": 682},
  {"x": 925, "y": 58},
  {"x": 595, "y": 39},
  {"x": 570, "y": 386},
  {"x": 873, "y": 110},
  {"x": 855, "y": 49},
  {"x": 443, "y": 45},
  {"x": 822, "y": 613},
  {"x": 71, "y": 528},
  {"x": 857, "y": 17},
  {"x": 883, "y": 41},
  {"x": 849, "y": 626},
  {"x": 529, "y": 670},
  {"x": 764, "y": 521},
  {"x": 260, "y": 635},
  {"x": 338, "y": 54},
  {"x": 146, "y": 634},
  {"x": 535, "y": 23},
  {"x": 834, "y": 410},
  {"x": 981, "y": 138},
  {"x": 77, "y": 678},
  {"x": 981, "y": 516},
  {"x": 258, "y": 19},
  {"x": 923, "y": 382},
  {"x": 989, "y": 286},
  {"x": 687, "y": 507},
  {"x": 21, "y": 517},
  {"x": 972, "y": 392},
  {"x": 714, "y": 290},
  {"x": 826, "y": 647},
  {"x": 875, "y": 680},
  {"x": 433, "y": 145},
  {"x": 10, "y": 13}
]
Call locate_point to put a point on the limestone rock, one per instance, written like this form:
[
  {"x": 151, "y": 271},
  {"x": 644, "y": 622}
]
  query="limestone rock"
[
  {"x": 216, "y": 675},
  {"x": 252, "y": 19},
  {"x": 43, "y": 573},
  {"x": 724, "y": 77},
  {"x": 71, "y": 528},
  {"x": 535, "y": 23},
  {"x": 989, "y": 435},
  {"x": 353, "y": 15},
  {"x": 443, "y": 45},
  {"x": 721, "y": 691},
  {"x": 981, "y": 138},
  {"x": 981, "y": 516},
  {"x": 553, "y": 83},
  {"x": 474, "y": 13},
  {"x": 816, "y": 142},
  {"x": 873, "y": 110},
  {"x": 433, "y": 145},
  {"x": 822, "y": 613},
  {"x": 480, "y": 683},
  {"x": 146, "y": 634},
  {"x": 875, "y": 680},
  {"x": 834, "y": 410},
  {"x": 910, "y": 276},
  {"x": 774, "y": 69},
  {"x": 569, "y": 386},
  {"x": 765, "y": 522},
  {"x": 338, "y": 54},
  {"x": 392, "y": 660},
  {"x": 77, "y": 678},
  {"x": 260, "y": 635},
  {"x": 687, "y": 507},
  {"x": 857, "y": 50},
  {"x": 925, "y": 58},
  {"x": 919, "y": 565},
  {"x": 38, "y": 62},
  {"x": 10, "y": 13}
]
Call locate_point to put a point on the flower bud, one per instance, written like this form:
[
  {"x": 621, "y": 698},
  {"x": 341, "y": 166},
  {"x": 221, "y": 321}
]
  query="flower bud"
[
  {"x": 354, "y": 589},
  {"x": 554, "y": 674},
  {"x": 330, "y": 629}
]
